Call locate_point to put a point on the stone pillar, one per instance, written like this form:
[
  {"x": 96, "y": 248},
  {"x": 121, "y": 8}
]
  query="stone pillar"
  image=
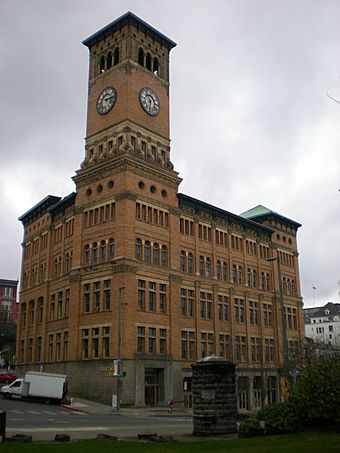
[{"x": 214, "y": 396}]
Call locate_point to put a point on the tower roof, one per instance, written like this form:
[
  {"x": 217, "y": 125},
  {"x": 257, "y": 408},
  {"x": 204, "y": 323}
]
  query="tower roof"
[
  {"x": 261, "y": 212},
  {"x": 128, "y": 18}
]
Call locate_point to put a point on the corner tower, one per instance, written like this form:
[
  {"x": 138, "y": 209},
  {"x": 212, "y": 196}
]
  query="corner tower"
[{"x": 128, "y": 96}]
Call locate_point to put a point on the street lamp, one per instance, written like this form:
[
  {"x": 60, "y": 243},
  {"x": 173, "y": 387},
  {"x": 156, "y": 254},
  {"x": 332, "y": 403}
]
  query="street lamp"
[
  {"x": 119, "y": 339},
  {"x": 283, "y": 317}
]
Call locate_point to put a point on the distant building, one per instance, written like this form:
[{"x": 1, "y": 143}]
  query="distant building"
[
  {"x": 322, "y": 324},
  {"x": 8, "y": 305}
]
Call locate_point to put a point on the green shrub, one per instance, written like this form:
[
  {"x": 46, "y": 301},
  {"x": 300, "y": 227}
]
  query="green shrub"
[
  {"x": 279, "y": 418},
  {"x": 316, "y": 396},
  {"x": 250, "y": 427}
]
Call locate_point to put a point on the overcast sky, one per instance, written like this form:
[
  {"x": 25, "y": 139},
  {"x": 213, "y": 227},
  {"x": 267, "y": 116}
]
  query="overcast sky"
[{"x": 251, "y": 122}]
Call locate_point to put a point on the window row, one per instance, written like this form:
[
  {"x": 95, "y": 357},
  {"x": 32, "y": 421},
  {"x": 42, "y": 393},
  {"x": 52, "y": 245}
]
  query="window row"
[
  {"x": 151, "y": 253},
  {"x": 288, "y": 286},
  {"x": 108, "y": 60},
  {"x": 32, "y": 351},
  {"x": 242, "y": 312},
  {"x": 151, "y": 340},
  {"x": 33, "y": 311},
  {"x": 99, "y": 252},
  {"x": 151, "y": 215},
  {"x": 97, "y": 296},
  {"x": 95, "y": 343},
  {"x": 254, "y": 350},
  {"x": 32, "y": 248},
  {"x": 152, "y": 296},
  {"x": 100, "y": 214},
  {"x": 287, "y": 259},
  {"x": 146, "y": 60}
]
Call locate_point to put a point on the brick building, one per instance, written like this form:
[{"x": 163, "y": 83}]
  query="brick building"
[{"x": 127, "y": 275}]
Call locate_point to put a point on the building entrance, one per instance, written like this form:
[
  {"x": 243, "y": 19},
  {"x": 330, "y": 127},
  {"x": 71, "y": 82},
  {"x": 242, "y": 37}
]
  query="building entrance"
[{"x": 154, "y": 386}]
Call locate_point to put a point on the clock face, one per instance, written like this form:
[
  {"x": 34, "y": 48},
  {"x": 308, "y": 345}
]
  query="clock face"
[
  {"x": 149, "y": 101},
  {"x": 106, "y": 100}
]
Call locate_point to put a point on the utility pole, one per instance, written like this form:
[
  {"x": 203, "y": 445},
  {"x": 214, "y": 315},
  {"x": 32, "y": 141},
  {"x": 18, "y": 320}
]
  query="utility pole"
[
  {"x": 119, "y": 340},
  {"x": 283, "y": 318}
]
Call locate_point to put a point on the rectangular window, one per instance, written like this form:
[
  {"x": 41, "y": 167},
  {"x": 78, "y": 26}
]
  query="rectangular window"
[
  {"x": 52, "y": 307},
  {"x": 152, "y": 296},
  {"x": 107, "y": 295},
  {"x": 141, "y": 294},
  {"x": 267, "y": 315},
  {"x": 85, "y": 343},
  {"x": 106, "y": 342},
  {"x": 60, "y": 305},
  {"x": 95, "y": 343},
  {"x": 239, "y": 310},
  {"x": 65, "y": 346},
  {"x": 96, "y": 296},
  {"x": 162, "y": 297},
  {"x": 67, "y": 302},
  {"x": 58, "y": 347},
  {"x": 188, "y": 345},
  {"x": 224, "y": 346},
  {"x": 140, "y": 339},
  {"x": 86, "y": 300},
  {"x": 152, "y": 340},
  {"x": 162, "y": 341},
  {"x": 50, "y": 347},
  {"x": 255, "y": 345},
  {"x": 253, "y": 312}
]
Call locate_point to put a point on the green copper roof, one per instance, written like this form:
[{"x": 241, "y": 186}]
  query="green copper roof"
[{"x": 261, "y": 211}]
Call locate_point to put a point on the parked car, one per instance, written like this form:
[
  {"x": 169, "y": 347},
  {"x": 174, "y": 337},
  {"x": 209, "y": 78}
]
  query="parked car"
[{"x": 6, "y": 377}]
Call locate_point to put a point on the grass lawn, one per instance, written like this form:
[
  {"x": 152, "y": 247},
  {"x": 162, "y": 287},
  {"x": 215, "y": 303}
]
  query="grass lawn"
[{"x": 292, "y": 443}]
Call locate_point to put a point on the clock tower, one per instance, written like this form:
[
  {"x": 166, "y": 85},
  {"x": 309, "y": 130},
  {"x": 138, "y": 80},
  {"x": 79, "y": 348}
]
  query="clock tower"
[{"x": 128, "y": 98}]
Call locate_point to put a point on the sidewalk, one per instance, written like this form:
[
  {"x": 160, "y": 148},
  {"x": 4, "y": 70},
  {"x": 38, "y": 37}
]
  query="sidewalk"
[{"x": 92, "y": 407}]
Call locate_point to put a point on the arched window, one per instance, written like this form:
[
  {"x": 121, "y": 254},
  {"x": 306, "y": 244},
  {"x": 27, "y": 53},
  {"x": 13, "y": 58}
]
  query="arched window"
[
  {"x": 148, "y": 61},
  {"x": 111, "y": 248},
  {"x": 284, "y": 284},
  {"x": 190, "y": 263},
  {"x": 86, "y": 254},
  {"x": 224, "y": 271},
  {"x": 155, "y": 254},
  {"x": 267, "y": 282},
  {"x": 240, "y": 275},
  {"x": 155, "y": 66},
  {"x": 141, "y": 57},
  {"x": 208, "y": 267},
  {"x": 94, "y": 253},
  {"x": 201, "y": 265},
  {"x": 116, "y": 56},
  {"x": 218, "y": 270},
  {"x": 102, "y": 251},
  {"x": 55, "y": 267},
  {"x": 289, "y": 287},
  {"x": 183, "y": 261},
  {"x": 138, "y": 249},
  {"x": 102, "y": 64},
  {"x": 147, "y": 247},
  {"x": 109, "y": 60},
  {"x": 164, "y": 256}
]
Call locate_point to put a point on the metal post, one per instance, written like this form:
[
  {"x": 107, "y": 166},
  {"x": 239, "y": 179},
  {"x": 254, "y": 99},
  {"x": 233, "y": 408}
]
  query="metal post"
[{"x": 119, "y": 374}]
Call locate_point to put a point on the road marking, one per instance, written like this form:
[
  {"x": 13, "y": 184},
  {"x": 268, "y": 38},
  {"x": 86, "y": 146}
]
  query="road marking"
[{"x": 51, "y": 430}]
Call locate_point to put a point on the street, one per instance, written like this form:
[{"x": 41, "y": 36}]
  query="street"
[{"x": 43, "y": 421}]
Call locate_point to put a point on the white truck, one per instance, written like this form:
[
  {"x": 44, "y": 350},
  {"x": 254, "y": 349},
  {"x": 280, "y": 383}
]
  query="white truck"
[{"x": 34, "y": 385}]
